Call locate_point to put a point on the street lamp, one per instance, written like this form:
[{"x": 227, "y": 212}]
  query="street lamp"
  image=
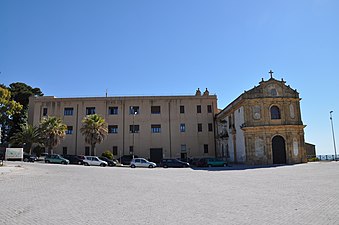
[{"x": 335, "y": 149}]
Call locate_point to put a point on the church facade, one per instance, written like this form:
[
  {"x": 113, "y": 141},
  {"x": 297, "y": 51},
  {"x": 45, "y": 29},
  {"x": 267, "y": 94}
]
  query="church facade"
[{"x": 262, "y": 126}]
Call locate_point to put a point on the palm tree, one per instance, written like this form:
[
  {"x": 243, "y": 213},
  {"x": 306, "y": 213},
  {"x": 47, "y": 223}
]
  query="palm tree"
[
  {"x": 94, "y": 129},
  {"x": 53, "y": 131},
  {"x": 28, "y": 136}
]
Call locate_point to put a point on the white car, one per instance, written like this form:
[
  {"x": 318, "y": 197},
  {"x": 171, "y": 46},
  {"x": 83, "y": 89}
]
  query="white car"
[
  {"x": 141, "y": 162},
  {"x": 94, "y": 161}
]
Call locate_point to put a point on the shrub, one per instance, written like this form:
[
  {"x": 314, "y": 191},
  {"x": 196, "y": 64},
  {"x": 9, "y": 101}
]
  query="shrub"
[
  {"x": 107, "y": 154},
  {"x": 314, "y": 159}
]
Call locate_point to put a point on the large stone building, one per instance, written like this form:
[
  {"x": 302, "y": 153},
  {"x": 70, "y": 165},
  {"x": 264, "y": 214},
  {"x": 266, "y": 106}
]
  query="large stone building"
[
  {"x": 151, "y": 127},
  {"x": 262, "y": 126}
]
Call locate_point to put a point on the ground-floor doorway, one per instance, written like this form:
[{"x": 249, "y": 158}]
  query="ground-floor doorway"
[{"x": 279, "y": 150}]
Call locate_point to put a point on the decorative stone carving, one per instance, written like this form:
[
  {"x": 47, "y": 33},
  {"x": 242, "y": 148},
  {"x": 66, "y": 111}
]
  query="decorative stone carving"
[
  {"x": 295, "y": 147},
  {"x": 259, "y": 147},
  {"x": 292, "y": 113},
  {"x": 256, "y": 112}
]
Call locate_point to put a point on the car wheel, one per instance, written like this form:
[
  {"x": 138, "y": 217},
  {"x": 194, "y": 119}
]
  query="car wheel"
[
  {"x": 79, "y": 163},
  {"x": 150, "y": 166},
  {"x": 209, "y": 165},
  {"x": 165, "y": 166},
  {"x": 225, "y": 164},
  {"x": 102, "y": 164},
  {"x": 132, "y": 166},
  {"x": 86, "y": 164},
  {"x": 46, "y": 161},
  {"x": 25, "y": 160}
]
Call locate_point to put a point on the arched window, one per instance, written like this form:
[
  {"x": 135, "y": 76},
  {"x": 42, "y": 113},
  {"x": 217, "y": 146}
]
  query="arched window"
[{"x": 275, "y": 113}]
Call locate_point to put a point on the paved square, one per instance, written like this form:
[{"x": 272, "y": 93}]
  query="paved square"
[{"x": 38, "y": 193}]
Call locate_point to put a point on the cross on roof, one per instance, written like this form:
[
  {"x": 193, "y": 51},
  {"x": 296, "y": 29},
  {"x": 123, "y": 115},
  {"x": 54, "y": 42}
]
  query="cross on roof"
[{"x": 271, "y": 73}]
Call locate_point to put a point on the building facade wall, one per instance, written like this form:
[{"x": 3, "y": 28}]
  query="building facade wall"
[
  {"x": 257, "y": 124},
  {"x": 171, "y": 138}
]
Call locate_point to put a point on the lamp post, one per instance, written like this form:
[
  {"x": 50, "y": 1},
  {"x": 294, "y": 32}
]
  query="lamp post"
[
  {"x": 335, "y": 149},
  {"x": 133, "y": 131}
]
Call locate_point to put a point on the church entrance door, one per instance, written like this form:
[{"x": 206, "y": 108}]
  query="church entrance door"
[{"x": 278, "y": 150}]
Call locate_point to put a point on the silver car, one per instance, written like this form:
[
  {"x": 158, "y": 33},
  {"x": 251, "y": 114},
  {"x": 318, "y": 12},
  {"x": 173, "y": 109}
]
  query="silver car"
[
  {"x": 141, "y": 162},
  {"x": 94, "y": 161}
]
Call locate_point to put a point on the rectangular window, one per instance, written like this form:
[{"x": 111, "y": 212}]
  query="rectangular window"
[
  {"x": 205, "y": 148},
  {"x": 112, "y": 129},
  {"x": 134, "y": 128},
  {"x": 113, "y": 110},
  {"x": 210, "y": 127},
  {"x": 90, "y": 110},
  {"x": 44, "y": 112},
  {"x": 155, "y": 128},
  {"x": 182, "y": 127},
  {"x": 182, "y": 109},
  {"x": 209, "y": 108},
  {"x": 155, "y": 109},
  {"x": 199, "y": 127},
  {"x": 69, "y": 130},
  {"x": 115, "y": 150},
  {"x": 64, "y": 150},
  {"x": 133, "y": 110},
  {"x": 68, "y": 112},
  {"x": 131, "y": 150},
  {"x": 198, "y": 108},
  {"x": 183, "y": 148},
  {"x": 86, "y": 150}
]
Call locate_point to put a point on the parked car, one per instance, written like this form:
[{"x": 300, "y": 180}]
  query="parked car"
[
  {"x": 173, "y": 163},
  {"x": 55, "y": 158},
  {"x": 203, "y": 162},
  {"x": 110, "y": 162},
  {"x": 29, "y": 158},
  {"x": 126, "y": 159},
  {"x": 74, "y": 159},
  {"x": 194, "y": 161},
  {"x": 141, "y": 162},
  {"x": 94, "y": 161}
]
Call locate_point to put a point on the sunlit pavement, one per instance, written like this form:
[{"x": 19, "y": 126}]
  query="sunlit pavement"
[{"x": 38, "y": 193}]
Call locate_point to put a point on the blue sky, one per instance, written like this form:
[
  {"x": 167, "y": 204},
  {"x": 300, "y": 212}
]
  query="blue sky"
[{"x": 72, "y": 48}]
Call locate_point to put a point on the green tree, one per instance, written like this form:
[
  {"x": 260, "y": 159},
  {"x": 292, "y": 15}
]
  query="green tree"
[
  {"x": 21, "y": 92},
  {"x": 94, "y": 129},
  {"x": 52, "y": 131},
  {"x": 8, "y": 109},
  {"x": 28, "y": 136},
  {"x": 108, "y": 154}
]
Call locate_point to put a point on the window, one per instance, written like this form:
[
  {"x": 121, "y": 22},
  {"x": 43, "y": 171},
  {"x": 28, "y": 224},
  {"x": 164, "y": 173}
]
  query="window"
[
  {"x": 183, "y": 148},
  {"x": 44, "y": 112},
  {"x": 134, "y": 128},
  {"x": 155, "y": 109},
  {"x": 86, "y": 150},
  {"x": 210, "y": 127},
  {"x": 275, "y": 113},
  {"x": 64, "y": 150},
  {"x": 182, "y": 109},
  {"x": 209, "y": 108},
  {"x": 131, "y": 150},
  {"x": 115, "y": 150},
  {"x": 90, "y": 110},
  {"x": 199, "y": 127},
  {"x": 133, "y": 110},
  {"x": 198, "y": 108},
  {"x": 69, "y": 130},
  {"x": 155, "y": 128},
  {"x": 205, "y": 148},
  {"x": 182, "y": 127},
  {"x": 68, "y": 112},
  {"x": 113, "y": 110},
  {"x": 112, "y": 129}
]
